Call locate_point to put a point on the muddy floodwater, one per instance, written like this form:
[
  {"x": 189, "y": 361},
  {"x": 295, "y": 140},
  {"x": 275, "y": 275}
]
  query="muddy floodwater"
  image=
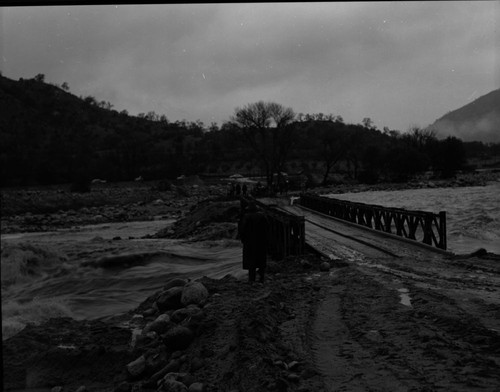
[
  {"x": 472, "y": 213},
  {"x": 87, "y": 272}
]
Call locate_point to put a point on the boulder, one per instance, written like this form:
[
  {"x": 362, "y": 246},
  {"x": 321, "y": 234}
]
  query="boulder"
[
  {"x": 190, "y": 311},
  {"x": 178, "y": 338},
  {"x": 170, "y": 299},
  {"x": 176, "y": 282},
  {"x": 185, "y": 378},
  {"x": 197, "y": 387},
  {"x": 159, "y": 325},
  {"x": 137, "y": 367},
  {"x": 173, "y": 366},
  {"x": 194, "y": 293},
  {"x": 170, "y": 385},
  {"x": 305, "y": 264}
]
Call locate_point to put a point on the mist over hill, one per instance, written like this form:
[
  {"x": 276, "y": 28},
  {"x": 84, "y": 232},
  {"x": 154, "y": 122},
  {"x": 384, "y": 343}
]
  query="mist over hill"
[{"x": 476, "y": 121}]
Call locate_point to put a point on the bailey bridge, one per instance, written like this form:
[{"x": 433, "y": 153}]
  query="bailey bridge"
[{"x": 346, "y": 230}]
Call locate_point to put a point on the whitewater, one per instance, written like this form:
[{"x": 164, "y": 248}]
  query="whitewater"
[{"x": 97, "y": 271}]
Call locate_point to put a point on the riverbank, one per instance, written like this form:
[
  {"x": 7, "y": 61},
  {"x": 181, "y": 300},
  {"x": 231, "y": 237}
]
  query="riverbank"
[
  {"x": 55, "y": 207},
  {"x": 309, "y": 327}
]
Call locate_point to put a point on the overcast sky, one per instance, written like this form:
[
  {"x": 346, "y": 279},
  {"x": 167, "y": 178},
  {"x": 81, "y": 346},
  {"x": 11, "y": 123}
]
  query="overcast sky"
[{"x": 399, "y": 63}]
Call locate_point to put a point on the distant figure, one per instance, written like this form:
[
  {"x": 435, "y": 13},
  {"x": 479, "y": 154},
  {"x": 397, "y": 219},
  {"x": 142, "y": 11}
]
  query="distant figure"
[
  {"x": 244, "y": 189},
  {"x": 238, "y": 189},
  {"x": 254, "y": 235}
]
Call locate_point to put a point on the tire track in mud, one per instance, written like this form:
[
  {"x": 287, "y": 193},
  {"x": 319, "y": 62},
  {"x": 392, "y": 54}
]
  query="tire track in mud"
[{"x": 365, "y": 339}]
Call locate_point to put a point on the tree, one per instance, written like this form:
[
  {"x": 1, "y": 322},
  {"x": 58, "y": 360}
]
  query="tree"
[
  {"x": 65, "y": 86},
  {"x": 40, "y": 78},
  {"x": 448, "y": 156},
  {"x": 266, "y": 127},
  {"x": 334, "y": 145},
  {"x": 421, "y": 138},
  {"x": 367, "y": 122}
]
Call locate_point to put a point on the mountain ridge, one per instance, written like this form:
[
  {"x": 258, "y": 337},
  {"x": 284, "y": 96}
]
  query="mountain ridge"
[{"x": 478, "y": 120}]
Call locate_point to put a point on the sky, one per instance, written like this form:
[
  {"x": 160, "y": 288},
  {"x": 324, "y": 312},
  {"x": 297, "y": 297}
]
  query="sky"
[{"x": 402, "y": 64}]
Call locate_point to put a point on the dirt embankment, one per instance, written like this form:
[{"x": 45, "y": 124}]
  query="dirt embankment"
[
  {"x": 251, "y": 337},
  {"x": 305, "y": 329}
]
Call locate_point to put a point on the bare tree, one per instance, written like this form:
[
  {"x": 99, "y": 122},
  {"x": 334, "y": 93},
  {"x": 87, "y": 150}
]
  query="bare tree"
[
  {"x": 421, "y": 137},
  {"x": 334, "y": 147},
  {"x": 266, "y": 127}
]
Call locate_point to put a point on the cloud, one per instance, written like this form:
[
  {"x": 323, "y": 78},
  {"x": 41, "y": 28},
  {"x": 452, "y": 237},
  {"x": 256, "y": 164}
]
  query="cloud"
[{"x": 400, "y": 63}]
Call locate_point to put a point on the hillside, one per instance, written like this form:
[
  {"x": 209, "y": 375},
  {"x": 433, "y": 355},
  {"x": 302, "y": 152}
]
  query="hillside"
[
  {"x": 50, "y": 136},
  {"x": 476, "y": 121}
]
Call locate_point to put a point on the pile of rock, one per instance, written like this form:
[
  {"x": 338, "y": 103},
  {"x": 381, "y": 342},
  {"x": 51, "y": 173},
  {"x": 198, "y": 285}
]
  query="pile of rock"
[{"x": 163, "y": 333}]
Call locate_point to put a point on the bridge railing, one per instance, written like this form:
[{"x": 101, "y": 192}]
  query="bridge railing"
[
  {"x": 286, "y": 231},
  {"x": 426, "y": 227}
]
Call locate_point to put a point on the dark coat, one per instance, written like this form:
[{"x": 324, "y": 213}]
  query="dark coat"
[{"x": 254, "y": 235}]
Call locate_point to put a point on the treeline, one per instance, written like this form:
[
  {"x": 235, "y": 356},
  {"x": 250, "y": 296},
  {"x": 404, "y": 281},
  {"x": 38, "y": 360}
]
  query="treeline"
[{"x": 50, "y": 136}]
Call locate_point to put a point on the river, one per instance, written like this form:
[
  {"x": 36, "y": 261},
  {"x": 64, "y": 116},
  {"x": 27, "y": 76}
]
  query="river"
[
  {"x": 472, "y": 213},
  {"x": 87, "y": 273}
]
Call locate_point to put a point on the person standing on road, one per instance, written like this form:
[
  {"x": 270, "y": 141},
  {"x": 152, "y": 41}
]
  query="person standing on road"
[{"x": 254, "y": 236}]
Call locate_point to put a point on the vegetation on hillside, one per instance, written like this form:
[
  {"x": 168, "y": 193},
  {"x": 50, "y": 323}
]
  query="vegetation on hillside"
[{"x": 50, "y": 136}]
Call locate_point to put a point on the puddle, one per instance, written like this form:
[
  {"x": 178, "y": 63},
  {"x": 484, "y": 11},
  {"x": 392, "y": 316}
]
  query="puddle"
[{"x": 405, "y": 297}]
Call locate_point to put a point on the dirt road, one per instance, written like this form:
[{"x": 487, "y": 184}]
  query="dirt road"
[{"x": 404, "y": 318}]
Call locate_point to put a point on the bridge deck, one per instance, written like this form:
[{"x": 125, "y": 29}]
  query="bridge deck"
[{"x": 339, "y": 239}]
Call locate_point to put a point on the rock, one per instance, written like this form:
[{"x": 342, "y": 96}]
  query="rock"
[
  {"x": 176, "y": 282},
  {"x": 149, "y": 312},
  {"x": 190, "y": 311},
  {"x": 197, "y": 387},
  {"x": 82, "y": 388},
  {"x": 185, "y": 378},
  {"x": 155, "y": 362},
  {"x": 137, "y": 367},
  {"x": 324, "y": 266},
  {"x": 178, "y": 338},
  {"x": 160, "y": 325},
  {"x": 479, "y": 253},
  {"x": 56, "y": 389},
  {"x": 173, "y": 366},
  {"x": 170, "y": 299},
  {"x": 305, "y": 264},
  {"x": 194, "y": 293},
  {"x": 172, "y": 386},
  {"x": 293, "y": 377}
]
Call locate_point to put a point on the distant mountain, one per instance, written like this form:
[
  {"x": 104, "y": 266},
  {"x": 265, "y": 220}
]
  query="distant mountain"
[{"x": 476, "y": 121}]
